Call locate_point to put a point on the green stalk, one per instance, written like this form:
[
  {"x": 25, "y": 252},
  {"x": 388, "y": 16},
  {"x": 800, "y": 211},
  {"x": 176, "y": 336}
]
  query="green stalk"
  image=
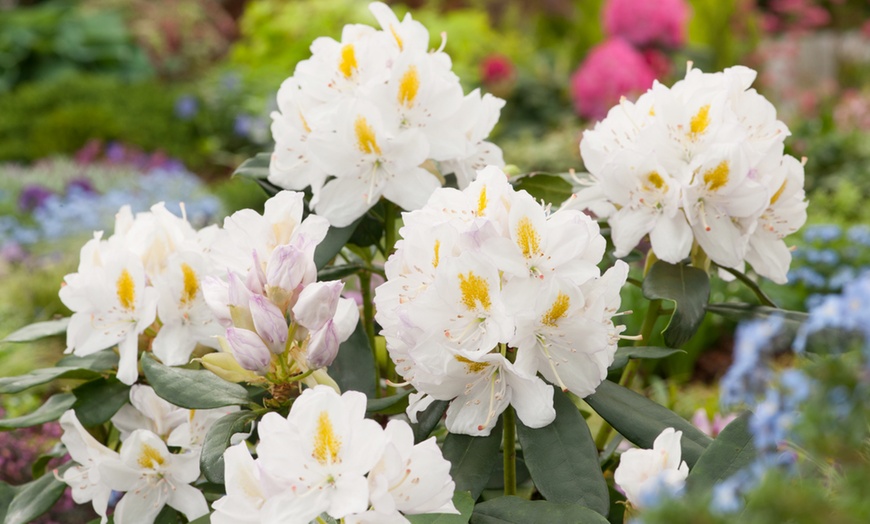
[
  {"x": 391, "y": 218},
  {"x": 365, "y": 284},
  {"x": 509, "y": 433}
]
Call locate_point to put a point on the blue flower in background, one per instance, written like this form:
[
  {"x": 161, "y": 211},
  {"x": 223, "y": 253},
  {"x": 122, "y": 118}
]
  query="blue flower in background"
[
  {"x": 186, "y": 107},
  {"x": 748, "y": 376},
  {"x": 822, "y": 233},
  {"x": 859, "y": 235}
]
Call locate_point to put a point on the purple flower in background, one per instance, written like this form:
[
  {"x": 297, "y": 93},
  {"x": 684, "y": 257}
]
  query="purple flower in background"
[
  {"x": 186, "y": 107},
  {"x": 33, "y": 197},
  {"x": 242, "y": 125},
  {"x": 116, "y": 153},
  {"x": 81, "y": 184}
]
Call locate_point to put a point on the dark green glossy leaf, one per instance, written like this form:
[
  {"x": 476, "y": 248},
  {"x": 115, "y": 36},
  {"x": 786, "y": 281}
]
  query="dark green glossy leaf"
[
  {"x": 100, "y": 361},
  {"x": 211, "y": 461},
  {"x": 496, "y": 478},
  {"x": 689, "y": 289},
  {"x": 354, "y": 366},
  {"x": 739, "y": 311},
  {"x": 428, "y": 419},
  {"x": 190, "y": 388},
  {"x": 461, "y": 500},
  {"x": 39, "y": 465},
  {"x": 33, "y": 499},
  {"x": 337, "y": 272},
  {"x": 563, "y": 459},
  {"x": 472, "y": 459},
  {"x": 336, "y": 238},
  {"x": 53, "y": 408},
  {"x": 552, "y": 189},
  {"x": 623, "y": 354},
  {"x": 640, "y": 420},
  {"x": 730, "y": 452},
  {"x": 371, "y": 227},
  {"x": 514, "y": 510},
  {"x": 98, "y": 400},
  {"x": 42, "y": 376},
  {"x": 167, "y": 515},
  {"x": 7, "y": 493},
  {"x": 380, "y": 405},
  {"x": 38, "y": 330},
  {"x": 256, "y": 167},
  {"x": 205, "y": 519}
]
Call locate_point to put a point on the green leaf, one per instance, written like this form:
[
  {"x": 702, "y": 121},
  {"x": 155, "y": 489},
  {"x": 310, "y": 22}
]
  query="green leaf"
[
  {"x": 463, "y": 502},
  {"x": 563, "y": 459},
  {"x": 623, "y": 354},
  {"x": 336, "y": 238},
  {"x": 41, "y": 376},
  {"x": 640, "y": 420},
  {"x": 39, "y": 465},
  {"x": 552, "y": 189},
  {"x": 337, "y": 272},
  {"x": 738, "y": 311},
  {"x": 211, "y": 461},
  {"x": 689, "y": 289},
  {"x": 53, "y": 408},
  {"x": 729, "y": 453},
  {"x": 100, "y": 361},
  {"x": 167, "y": 515},
  {"x": 354, "y": 366},
  {"x": 98, "y": 400},
  {"x": 472, "y": 459},
  {"x": 514, "y": 510},
  {"x": 256, "y": 167},
  {"x": 205, "y": 519},
  {"x": 371, "y": 227},
  {"x": 7, "y": 493},
  {"x": 192, "y": 389},
  {"x": 428, "y": 419},
  {"x": 379, "y": 405},
  {"x": 33, "y": 499},
  {"x": 38, "y": 330}
]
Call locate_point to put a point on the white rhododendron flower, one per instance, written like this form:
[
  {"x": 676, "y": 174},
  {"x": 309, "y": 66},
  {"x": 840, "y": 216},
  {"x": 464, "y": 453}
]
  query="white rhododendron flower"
[
  {"x": 84, "y": 478},
  {"x": 486, "y": 290},
  {"x": 697, "y": 167},
  {"x": 326, "y": 457},
  {"x": 358, "y": 120},
  {"x": 644, "y": 473}
]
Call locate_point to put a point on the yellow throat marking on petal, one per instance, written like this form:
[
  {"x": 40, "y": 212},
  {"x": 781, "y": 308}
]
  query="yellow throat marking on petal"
[
  {"x": 778, "y": 193},
  {"x": 437, "y": 257},
  {"x": 475, "y": 290},
  {"x": 397, "y": 37},
  {"x": 347, "y": 64},
  {"x": 655, "y": 180},
  {"x": 699, "y": 123},
  {"x": 326, "y": 442},
  {"x": 365, "y": 136},
  {"x": 717, "y": 177},
  {"x": 557, "y": 310},
  {"x": 481, "y": 202},
  {"x": 150, "y": 457},
  {"x": 528, "y": 238},
  {"x": 473, "y": 367},
  {"x": 304, "y": 122},
  {"x": 408, "y": 87},
  {"x": 191, "y": 284},
  {"x": 126, "y": 290}
]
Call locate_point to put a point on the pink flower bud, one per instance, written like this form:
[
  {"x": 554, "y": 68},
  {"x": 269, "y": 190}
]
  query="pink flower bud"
[
  {"x": 249, "y": 349},
  {"x": 269, "y": 322},
  {"x": 323, "y": 346},
  {"x": 289, "y": 268},
  {"x": 317, "y": 304}
]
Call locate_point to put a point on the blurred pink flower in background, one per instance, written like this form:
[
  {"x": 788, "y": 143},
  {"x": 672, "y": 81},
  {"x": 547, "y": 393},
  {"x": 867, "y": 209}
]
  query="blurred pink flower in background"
[
  {"x": 498, "y": 75},
  {"x": 611, "y": 70},
  {"x": 644, "y": 22},
  {"x": 711, "y": 426}
]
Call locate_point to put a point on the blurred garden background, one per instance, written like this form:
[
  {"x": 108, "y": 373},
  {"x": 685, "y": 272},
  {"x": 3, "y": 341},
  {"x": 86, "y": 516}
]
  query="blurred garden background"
[{"x": 112, "y": 102}]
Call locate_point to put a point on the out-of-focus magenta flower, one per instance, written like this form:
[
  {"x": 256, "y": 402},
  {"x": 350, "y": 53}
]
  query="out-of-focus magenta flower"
[
  {"x": 658, "y": 61},
  {"x": 496, "y": 69},
  {"x": 612, "y": 70},
  {"x": 644, "y": 23}
]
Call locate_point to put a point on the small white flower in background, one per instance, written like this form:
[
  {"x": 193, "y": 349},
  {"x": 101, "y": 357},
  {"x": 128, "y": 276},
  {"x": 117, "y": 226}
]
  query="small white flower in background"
[
  {"x": 488, "y": 268},
  {"x": 84, "y": 479},
  {"x": 357, "y": 121},
  {"x": 697, "y": 165},
  {"x": 151, "y": 478},
  {"x": 326, "y": 457},
  {"x": 645, "y": 474}
]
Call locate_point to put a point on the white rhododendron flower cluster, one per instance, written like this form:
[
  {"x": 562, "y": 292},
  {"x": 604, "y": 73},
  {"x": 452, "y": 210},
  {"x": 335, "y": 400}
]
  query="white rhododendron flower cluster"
[
  {"x": 145, "y": 471},
  {"x": 644, "y": 475},
  {"x": 146, "y": 277},
  {"x": 360, "y": 118},
  {"x": 279, "y": 320},
  {"x": 699, "y": 166},
  {"x": 487, "y": 274},
  {"x": 326, "y": 457}
]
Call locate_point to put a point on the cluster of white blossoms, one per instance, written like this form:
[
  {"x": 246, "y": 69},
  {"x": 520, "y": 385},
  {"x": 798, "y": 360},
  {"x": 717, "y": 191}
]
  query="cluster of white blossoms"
[
  {"x": 326, "y": 457},
  {"x": 486, "y": 272},
  {"x": 362, "y": 116},
  {"x": 279, "y": 320},
  {"x": 146, "y": 277},
  {"x": 149, "y": 475},
  {"x": 697, "y": 166},
  {"x": 644, "y": 475}
]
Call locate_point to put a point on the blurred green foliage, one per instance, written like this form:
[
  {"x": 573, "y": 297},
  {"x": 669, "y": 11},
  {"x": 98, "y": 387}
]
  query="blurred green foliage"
[{"x": 45, "y": 41}]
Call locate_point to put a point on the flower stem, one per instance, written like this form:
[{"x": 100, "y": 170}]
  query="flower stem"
[
  {"x": 510, "y": 451},
  {"x": 365, "y": 285},
  {"x": 391, "y": 217}
]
